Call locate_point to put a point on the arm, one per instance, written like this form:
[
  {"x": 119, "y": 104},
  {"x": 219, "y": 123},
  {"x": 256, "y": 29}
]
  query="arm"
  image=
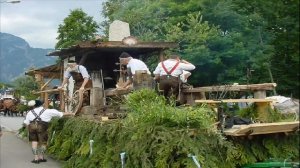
[
  {"x": 67, "y": 75},
  {"x": 84, "y": 83},
  {"x": 68, "y": 114},
  {"x": 66, "y": 80},
  {"x": 127, "y": 83},
  {"x": 156, "y": 72},
  {"x": 185, "y": 65},
  {"x": 85, "y": 76},
  {"x": 129, "y": 78}
]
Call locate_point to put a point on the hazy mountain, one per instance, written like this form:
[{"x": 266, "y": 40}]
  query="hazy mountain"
[{"x": 17, "y": 57}]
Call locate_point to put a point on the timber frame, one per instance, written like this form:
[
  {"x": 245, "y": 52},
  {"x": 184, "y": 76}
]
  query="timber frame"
[
  {"x": 102, "y": 61},
  {"x": 43, "y": 76}
]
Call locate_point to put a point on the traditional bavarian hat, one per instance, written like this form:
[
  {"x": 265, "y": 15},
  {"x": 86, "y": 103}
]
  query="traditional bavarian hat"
[{"x": 35, "y": 103}]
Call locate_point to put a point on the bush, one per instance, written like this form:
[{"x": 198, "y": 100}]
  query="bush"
[{"x": 155, "y": 134}]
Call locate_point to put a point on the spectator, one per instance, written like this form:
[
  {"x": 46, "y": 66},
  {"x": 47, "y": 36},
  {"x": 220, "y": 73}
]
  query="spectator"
[{"x": 37, "y": 120}]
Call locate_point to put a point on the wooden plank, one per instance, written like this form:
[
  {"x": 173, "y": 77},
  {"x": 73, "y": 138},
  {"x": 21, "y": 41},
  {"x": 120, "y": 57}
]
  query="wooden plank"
[
  {"x": 47, "y": 91},
  {"x": 262, "y": 128},
  {"x": 235, "y": 101},
  {"x": 251, "y": 87},
  {"x": 116, "y": 92}
]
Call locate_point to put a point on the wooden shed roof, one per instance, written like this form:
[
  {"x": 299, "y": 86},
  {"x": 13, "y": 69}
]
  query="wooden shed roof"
[
  {"x": 51, "y": 71},
  {"x": 112, "y": 47}
]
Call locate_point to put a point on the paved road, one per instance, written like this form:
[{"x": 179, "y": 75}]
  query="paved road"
[{"x": 16, "y": 152}]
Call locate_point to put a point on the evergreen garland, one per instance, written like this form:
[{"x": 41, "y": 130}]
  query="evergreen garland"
[{"x": 155, "y": 134}]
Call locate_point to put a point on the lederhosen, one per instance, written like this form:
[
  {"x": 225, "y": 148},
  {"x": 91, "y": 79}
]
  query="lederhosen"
[
  {"x": 38, "y": 128},
  {"x": 168, "y": 83},
  {"x": 78, "y": 82}
]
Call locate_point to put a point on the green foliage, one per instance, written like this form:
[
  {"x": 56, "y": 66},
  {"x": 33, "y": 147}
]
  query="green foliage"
[
  {"x": 225, "y": 39},
  {"x": 159, "y": 135},
  {"x": 77, "y": 27},
  {"x": 24, "y": 86},
  {"x": 22, "y": 107},
  {"x": 270, "y": 115}
]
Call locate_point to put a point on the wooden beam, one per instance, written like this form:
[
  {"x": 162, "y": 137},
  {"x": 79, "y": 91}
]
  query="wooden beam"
[
  {"x": 42, "y": 88},
  {"x": 47, "y": 91},
  {"x": 262, "y": 128},
  {"x": 236, "y": 101},
  {"x": 251, "y": 87}
]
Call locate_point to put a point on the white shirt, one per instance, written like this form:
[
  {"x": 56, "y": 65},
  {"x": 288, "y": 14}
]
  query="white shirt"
[
  {"x": 46, "y": 116},
  {"x": 184, "y": 75},
  {"x": 79, "y": 69},
  {"x": 136, "y": 65},
  {"x": 169, "y": 64}
]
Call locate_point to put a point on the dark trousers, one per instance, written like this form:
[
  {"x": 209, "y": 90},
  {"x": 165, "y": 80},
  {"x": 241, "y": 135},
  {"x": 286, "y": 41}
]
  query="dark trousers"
[{"x": 170, "y": 85}]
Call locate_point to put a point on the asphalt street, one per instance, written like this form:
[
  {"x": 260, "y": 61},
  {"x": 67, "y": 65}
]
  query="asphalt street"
[{"x": 16, "y": 152}]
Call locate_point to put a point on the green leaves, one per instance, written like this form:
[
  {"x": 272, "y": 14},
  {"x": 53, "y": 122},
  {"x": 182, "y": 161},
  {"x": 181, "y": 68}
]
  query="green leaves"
[
  {"x": 159, "y": 135},
  {"x": 78, "y": 26}
]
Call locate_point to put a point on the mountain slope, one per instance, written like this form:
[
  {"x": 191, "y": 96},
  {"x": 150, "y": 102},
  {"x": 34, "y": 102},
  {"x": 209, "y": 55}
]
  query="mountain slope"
[{"x": 17, "y": 57}]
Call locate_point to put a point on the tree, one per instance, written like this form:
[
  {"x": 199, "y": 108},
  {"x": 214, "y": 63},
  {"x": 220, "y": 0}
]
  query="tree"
[
  {"x": 226, "y": 40},
  {"x": 78, "y": 26},
  {"x": 24, "y": 86}
]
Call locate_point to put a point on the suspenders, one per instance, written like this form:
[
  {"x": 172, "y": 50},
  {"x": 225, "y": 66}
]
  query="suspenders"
[
  {"x": 37, "y": 117},
  {"x": 169, "y": 72}
]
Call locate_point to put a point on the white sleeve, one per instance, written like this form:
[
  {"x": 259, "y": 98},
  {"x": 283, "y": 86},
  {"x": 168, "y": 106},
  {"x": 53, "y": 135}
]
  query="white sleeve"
[
  {"x": 187, "y": 67},
  {"x": 67, "y": 73},
  {"x": 157, "y": 70},
  {"x": 84, "y": 72},
  {"x": 56, "y": 113}
]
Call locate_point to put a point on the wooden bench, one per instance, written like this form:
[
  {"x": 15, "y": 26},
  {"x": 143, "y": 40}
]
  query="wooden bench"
[
  {"x": 262, "y": 128},
  {"x": 258, "y": 90},
  {"x": 262, "y": 104}
]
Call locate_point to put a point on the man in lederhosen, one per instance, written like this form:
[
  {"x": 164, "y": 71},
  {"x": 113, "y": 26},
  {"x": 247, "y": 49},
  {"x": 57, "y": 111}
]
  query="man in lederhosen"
[
  {"x": 37, "y": 120},
  {"x": 79, "y": 74},
  {"x": 81, "y": 77},
  {"x": 167, "y": 74}
]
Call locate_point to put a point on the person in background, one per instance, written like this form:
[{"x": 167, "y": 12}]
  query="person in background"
[
  {"x": 132, "y": 65},
  {"x": 36, "y": 121},
  {"x": 0, "y": 131},
  {"x": 79, "y": 74},
  {"x": 167, "y": 73}
]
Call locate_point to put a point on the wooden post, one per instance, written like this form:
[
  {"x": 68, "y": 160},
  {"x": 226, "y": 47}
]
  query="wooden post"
[
  {"x": 97, "y": 91},
  {"x": 46, "y": 102},
  {"x": 62, "y": 100},
  {"x": 262, "y": 107}
]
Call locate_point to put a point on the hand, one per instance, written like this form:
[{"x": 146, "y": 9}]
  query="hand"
[
  {"x": 69, "y": 114},
  {"x": 81, "y": 88},
  {"x": 60, "y": 87}
]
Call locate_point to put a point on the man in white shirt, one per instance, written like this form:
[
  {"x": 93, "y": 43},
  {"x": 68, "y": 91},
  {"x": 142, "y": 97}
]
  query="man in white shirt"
[
  {"x": 167, "y": 73},
  {"x": 37, "y": 120},
  {"x": 133, "y": 65},
  {"x": 79, "y": 74}
]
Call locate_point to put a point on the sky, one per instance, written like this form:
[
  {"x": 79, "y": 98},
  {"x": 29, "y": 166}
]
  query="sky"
[{"x": 37, "y": 21}]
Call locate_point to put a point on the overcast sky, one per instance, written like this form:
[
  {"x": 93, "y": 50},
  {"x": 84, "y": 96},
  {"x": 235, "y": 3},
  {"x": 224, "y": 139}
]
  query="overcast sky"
[{"x": 37, "y": 21}]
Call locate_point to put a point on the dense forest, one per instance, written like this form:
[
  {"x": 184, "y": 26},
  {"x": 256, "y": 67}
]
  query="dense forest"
[{"x": 229, "y": 41}]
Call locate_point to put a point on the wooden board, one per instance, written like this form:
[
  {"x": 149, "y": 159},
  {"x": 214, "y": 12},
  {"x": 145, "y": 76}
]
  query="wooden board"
[
  {"x": 235, "y": 101},
  {"x": 116, "y": 92},
  {"x": 250, "y": 87},
  {"x": 262, "y": 128}
]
